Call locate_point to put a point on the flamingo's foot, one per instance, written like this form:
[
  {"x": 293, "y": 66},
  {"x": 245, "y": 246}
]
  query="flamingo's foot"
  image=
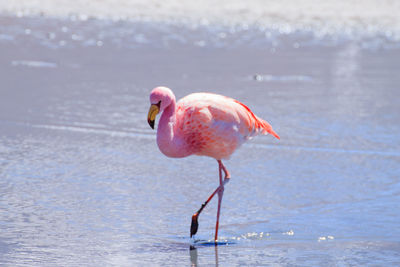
[{"x": 195, "y": 225}]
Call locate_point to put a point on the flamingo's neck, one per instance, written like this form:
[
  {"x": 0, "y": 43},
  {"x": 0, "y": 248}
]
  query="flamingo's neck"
[{"x": 168, "y": 140}]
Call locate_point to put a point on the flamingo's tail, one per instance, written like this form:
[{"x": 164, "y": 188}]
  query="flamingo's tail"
[
  {"x": 259, "y": 124},
  {"x": 267, "y": 128}
]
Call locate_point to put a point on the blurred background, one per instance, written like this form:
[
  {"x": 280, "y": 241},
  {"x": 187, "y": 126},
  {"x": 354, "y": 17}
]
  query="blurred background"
[{"x": 82, "y": 181}]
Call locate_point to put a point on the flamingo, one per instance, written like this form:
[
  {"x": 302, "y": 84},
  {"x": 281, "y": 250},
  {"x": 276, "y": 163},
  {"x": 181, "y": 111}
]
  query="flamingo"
[{"x": 203, "y": 124}]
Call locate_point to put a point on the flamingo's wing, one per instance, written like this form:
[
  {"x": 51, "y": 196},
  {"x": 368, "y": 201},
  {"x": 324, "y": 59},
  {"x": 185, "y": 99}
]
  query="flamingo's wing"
[
  {"x": 205, "y": 109},
  {"x": 214, "y": 125}
]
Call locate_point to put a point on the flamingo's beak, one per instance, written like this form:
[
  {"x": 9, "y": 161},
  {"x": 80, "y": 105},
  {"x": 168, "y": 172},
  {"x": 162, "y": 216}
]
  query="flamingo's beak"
[{"x": 153, "y": 111}]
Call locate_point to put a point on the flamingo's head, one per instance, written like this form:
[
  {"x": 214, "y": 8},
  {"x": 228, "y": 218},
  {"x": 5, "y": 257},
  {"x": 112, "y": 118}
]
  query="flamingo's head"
[{"x": 160, "y": 98}]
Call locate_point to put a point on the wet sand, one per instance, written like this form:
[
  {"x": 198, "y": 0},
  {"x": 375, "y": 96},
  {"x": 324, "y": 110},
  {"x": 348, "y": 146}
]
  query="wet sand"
[{"x": 83, "y": 181}]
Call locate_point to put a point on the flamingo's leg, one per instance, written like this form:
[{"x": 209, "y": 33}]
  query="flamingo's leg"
[
  {"x": 227, "y": 174},
  {"x": 195, "y": 224},
  {"x": 220, "y": 195}
]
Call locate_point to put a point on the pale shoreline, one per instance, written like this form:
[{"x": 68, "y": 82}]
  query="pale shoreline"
[
  {"x": 372, "y": 17},
  {"x": 72, "y": 32}
]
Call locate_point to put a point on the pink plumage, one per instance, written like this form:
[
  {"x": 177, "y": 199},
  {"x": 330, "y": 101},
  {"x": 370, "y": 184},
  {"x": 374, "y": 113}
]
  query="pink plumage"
[
  {"x": 203, "y": 124},
  {"x": 215, "y": 126}
]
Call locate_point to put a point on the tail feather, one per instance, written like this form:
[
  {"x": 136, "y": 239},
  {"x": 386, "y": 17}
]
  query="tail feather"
[
  {"x": 257, "y": 123},
  {"x": 266, "y": 127}
]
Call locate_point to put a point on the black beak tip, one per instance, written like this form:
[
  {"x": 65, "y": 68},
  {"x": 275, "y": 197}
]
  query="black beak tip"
[{"x": 151, "y": 123}]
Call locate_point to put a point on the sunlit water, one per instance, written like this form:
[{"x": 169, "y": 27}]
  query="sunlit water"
[{"x": 83, "y": 182}]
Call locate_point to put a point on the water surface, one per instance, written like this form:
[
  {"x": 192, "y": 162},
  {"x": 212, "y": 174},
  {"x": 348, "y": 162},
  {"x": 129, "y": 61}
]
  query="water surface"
[{"x": 83, "y": 182}]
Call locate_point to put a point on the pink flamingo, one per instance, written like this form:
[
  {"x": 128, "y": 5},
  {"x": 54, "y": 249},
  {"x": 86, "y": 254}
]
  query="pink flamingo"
[{"x": 203, "y": 124}]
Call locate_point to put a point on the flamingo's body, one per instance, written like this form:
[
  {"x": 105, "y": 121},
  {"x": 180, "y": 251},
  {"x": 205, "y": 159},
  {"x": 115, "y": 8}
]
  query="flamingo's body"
[{"x": 203, "y": 124}]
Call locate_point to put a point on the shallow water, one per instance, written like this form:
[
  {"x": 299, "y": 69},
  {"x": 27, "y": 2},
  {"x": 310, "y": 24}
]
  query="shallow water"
[{"x": 83, "y": 182}]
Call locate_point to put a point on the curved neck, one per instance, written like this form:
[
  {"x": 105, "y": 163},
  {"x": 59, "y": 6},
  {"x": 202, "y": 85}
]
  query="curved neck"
[{"x": 168, "y": 141}]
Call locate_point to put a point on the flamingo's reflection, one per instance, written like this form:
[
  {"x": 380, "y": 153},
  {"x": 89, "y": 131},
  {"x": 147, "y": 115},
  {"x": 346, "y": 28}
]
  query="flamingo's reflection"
[{"x": 194, "y": 256}]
